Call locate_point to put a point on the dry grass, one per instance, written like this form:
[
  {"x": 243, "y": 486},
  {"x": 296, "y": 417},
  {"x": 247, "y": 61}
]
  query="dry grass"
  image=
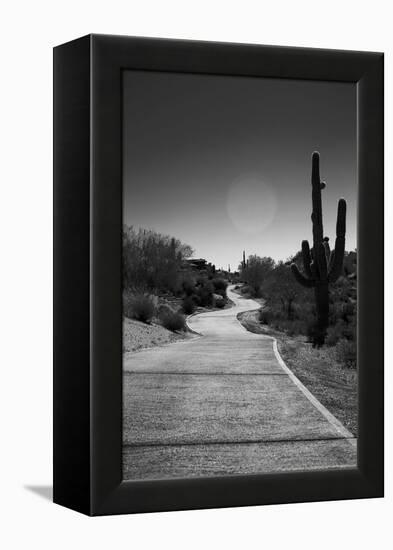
[{"x": 333, "y": 384}]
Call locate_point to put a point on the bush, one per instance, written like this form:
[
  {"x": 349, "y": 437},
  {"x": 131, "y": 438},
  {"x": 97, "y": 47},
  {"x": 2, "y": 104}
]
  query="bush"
[
  {"x": 248, "y": 291},
  {"x": 334, "y": 333},
  {"x": 162, "y": 309},
  {"x": 188, "y": 305},
  {"x": 127, "y": 300},
  {"x": 172, "y": 320},
  {"x": 348, "y": 310},
  {"x": 339, "y": 331},
  {"x": 204, "y": 292},
  {"x": 220, "y": 303},
  {"x": 220, "y": 286},
  {"x": 296, "y": 327},
  {"x": 188, "y": 286},
  {"x": 265, "y": 316},
  {"x": 195, "y": 298},
  {"x": 346, "y": 353},
  {"x": 140, "y": 307}
]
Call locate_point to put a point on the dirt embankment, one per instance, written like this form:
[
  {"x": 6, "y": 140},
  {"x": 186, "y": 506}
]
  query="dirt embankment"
[{"x": 137, "y": 335}]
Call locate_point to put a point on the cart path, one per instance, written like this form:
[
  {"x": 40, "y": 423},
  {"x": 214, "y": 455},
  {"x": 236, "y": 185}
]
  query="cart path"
[{"x": 223, "y": 403}]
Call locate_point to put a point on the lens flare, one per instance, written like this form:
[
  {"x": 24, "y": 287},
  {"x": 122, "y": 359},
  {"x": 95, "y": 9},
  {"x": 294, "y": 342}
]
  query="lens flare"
[{"x": 251, "y": 204}]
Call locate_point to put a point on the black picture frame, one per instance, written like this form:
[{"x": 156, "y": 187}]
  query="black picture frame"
[{"x": 87, "y": 273}]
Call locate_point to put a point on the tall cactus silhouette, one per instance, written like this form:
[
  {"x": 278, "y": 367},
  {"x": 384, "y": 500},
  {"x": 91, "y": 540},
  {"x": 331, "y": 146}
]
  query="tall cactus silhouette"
[{"x": 321, "y": 266}]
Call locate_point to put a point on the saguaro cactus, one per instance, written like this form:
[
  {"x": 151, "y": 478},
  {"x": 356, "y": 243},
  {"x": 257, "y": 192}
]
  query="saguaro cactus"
[{"x": 321, "y": 267}]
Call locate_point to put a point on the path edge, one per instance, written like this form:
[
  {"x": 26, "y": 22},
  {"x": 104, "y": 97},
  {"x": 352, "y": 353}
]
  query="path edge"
[
  {"x": 342, "y": 430},
  {"x": 333, "y": 421}
]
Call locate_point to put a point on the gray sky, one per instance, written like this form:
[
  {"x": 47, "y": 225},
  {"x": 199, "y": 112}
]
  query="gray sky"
[{"x": 224, "y": 163}]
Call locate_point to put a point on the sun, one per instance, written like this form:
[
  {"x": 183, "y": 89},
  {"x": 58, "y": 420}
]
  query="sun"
[{"x": 251, "y": 204}]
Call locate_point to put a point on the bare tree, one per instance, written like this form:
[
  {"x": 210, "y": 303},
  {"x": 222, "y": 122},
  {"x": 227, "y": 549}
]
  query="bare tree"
[
  {"x": 151, "y": 260},
  {"x": 282, "y": 288},
  {"x": 256, "y": 271}
]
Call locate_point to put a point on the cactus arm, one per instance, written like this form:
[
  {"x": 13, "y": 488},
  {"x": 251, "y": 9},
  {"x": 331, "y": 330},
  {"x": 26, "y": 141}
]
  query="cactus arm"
[
  {"x": 307, "y": 259},
  {"x": 341, "y": 216},
  {"x": 339, "y": 247},
  {"x": 308, "y": 283}
]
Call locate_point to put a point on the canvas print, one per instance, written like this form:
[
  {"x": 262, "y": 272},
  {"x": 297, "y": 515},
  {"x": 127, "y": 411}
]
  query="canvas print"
[{"x": 239, "y": 275}]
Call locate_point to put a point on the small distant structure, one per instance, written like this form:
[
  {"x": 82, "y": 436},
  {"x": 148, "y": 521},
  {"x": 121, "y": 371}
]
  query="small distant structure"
[
  {"x": 196, "y": 263},
  {"x": 199, "y": 265}
]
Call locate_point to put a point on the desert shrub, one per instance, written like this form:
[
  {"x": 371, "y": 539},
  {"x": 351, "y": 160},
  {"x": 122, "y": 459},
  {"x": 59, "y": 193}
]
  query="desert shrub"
[
  {"x": 220, "y": 303},
  {"x": 248, "y": 290},
  {"x": 220, "y": 286},
  {"x": 339, "y": 331},
  {"x": 127, "y": 299},
  {"x": 310, "y": 331},
  {"x": 188, "y": 305},
  {"x": 175, "y": 287},
  {"x": 162, "y": 309},
  {"x": 343, "y": 310},
  {"x": 205, "y": 297},
  {"x": 265, "y": 316},
  {"x": 345, "y": 351},
  {"x": 348, "y": 310},
  {"x": 275, "y": 318},
  {"x": 172, "y": 320},
  {"x": 334, "y": 333},
  {"x": 297, "y": 326},
  {"x": 204, "y": 291},
  {"x": 188, "y": 286},
  {"x": 195, "y": 298},
  {"x": 140, "y": 307}
]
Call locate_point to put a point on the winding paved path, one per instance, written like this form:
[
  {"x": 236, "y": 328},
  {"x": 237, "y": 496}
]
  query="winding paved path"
[{"x": 223, "y": 403}]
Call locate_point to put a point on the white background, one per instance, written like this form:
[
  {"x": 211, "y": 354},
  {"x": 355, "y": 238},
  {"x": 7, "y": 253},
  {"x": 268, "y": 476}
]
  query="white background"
[{"x": 29, "y": 30}]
